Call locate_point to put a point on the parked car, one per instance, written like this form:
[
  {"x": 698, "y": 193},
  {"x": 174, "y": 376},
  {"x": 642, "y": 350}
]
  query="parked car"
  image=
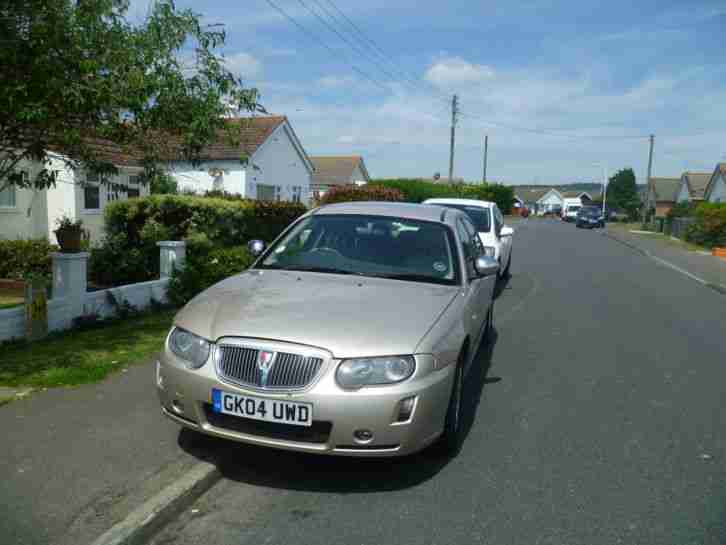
[
  {"x": 570, "y": 209},
  {"x": 590, "y": 217},
  {"x": 489, "y": 222},
  {"x": 352, "y": 334}
]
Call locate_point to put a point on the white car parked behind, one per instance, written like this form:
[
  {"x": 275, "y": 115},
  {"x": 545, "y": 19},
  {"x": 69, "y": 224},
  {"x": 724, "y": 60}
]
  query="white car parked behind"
[{"x": 489, "y": 221}]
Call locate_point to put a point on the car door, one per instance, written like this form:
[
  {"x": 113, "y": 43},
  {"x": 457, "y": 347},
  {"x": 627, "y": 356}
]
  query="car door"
[
  {"x": 479, "y": 291},
  {"x": 506, "y": 241}
]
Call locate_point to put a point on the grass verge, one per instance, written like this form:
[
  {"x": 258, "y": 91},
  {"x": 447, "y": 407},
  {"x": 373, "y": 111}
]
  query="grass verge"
[{"x": 83, "y": 356}]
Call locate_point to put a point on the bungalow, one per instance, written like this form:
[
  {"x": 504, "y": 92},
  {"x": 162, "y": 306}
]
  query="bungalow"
[
  {"x": 275, "y": 166},
  {"x": 716, "y": 188},
  {"x": 337, "y": 170},
  {"x": 33, "y": 213},
  {"x": 662, "y": 195},
  {"x": 540, "y": 201},
  {"x": 693, "y": 187},
  {"x": 584, "y": 196}
]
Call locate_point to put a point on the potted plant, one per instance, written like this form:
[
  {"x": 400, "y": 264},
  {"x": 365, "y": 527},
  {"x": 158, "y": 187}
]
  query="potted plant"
[{"x": 69, "y": 234}]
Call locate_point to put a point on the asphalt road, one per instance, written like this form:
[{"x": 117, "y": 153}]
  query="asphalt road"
[{"x": 598, "y": 418}]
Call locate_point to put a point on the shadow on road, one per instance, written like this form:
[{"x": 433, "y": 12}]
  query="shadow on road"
[{"x": 295, "y": 471}]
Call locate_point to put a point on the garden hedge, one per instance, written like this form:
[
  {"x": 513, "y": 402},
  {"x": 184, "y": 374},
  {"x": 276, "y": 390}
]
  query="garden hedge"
[
  {"x": 347, "y": 193},
  {"x": 23, "y": 257},
  {"x": 414, "y": 190},
  {"x": 133, "y": 227},
  {"x": 710, "y": 227}
]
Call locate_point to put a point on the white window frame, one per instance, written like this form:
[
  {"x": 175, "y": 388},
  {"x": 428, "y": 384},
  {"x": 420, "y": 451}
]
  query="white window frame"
[
  {"x": 135, "y": 185},
  {"x": 12, "y": 189}
]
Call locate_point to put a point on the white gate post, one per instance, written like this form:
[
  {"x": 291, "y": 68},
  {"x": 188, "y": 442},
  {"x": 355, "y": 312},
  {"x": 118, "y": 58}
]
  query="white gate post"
[
  {"x": 172, "y": 256},
  {"x": 69, "y": 280}
]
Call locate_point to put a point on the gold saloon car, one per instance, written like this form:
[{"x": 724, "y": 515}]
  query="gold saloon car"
[{"x": 352, "y": 334}]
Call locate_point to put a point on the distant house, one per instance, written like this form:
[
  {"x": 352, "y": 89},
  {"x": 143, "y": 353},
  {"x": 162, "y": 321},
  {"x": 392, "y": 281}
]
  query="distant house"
[
  {"x": 79, "y": 195},
  {"x": 540, "y": 201},
  {"x": 333, "y": 171},
  {"x": 716, "y": 188},
  {"x": 693, "y": 187},
  {"x": 276, "y": 166},
  {"x": 584, "y": 196},
  {"x": 661, "y": 195}
]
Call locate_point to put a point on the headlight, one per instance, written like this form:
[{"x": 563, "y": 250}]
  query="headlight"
[
  {"x": 359, "y": 372},
  {"x": 490, "y": 251},
  {"x": 192, "y": 349}
]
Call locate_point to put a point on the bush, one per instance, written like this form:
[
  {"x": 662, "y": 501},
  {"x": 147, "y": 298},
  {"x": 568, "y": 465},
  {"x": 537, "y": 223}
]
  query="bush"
[
  {"x": 204, "y": 267},
  {"x": 23, "y": 257},
  {"x": 129, "y": 253},
  {"x": 347, "y": 193},
  {"x": 710, "y": 227},
  {"x": 417, "y": 191}
]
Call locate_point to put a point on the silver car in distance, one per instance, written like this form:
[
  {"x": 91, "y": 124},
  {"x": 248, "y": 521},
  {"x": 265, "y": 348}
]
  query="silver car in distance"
[{"x": 352, "y": 334}]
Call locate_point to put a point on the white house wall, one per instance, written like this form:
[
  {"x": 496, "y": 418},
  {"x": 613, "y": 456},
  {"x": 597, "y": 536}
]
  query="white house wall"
[
  {"x": 278, "y": 163},
  {"x": 357, "y": 177},
  {"x": 718, "y": 192},
  {"x": 197, "y": 178}
]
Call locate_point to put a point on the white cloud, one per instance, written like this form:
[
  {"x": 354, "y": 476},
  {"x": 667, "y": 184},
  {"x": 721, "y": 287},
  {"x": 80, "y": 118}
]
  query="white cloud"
[
  {"x": 452, "y": 71},
  {"x": 243, "y": 65}
]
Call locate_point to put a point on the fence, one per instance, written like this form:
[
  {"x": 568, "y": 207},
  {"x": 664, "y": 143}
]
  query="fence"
[{"x": 71, "y": 299}]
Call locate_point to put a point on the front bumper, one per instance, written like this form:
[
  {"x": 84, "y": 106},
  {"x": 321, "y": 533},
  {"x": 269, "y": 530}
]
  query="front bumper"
[{"x": 186, "y": 397}]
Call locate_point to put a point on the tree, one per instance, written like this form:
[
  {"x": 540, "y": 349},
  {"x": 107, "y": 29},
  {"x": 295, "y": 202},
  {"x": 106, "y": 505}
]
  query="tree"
[
  {"x": 622, "y": 193},
  {"x": 163, "y": 184},
  {"x": 77, "y": 74}
]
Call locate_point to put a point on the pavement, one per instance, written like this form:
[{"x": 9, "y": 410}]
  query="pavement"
[
  {"x": 594, "y": 417},
  {"x": 77, "y": 460},
  {"x": 702, "y": 265}
]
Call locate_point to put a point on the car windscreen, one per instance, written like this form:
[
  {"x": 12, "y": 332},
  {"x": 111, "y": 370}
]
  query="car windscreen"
[
  {"x": 379, "y": 246},
  {"x": 590, "y": 212},
  {"x": 479, "y": 216}
]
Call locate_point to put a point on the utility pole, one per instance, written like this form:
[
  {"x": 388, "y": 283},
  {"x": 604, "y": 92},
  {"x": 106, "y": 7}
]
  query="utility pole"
[
  {"x": 454, "y": 112},
  {"x": 646, "y": 208},
  {"x": 486, "y": 150}
]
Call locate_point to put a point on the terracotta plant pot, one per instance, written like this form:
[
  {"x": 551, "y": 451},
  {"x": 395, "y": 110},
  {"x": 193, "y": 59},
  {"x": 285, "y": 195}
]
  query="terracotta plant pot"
[
  {"x": 69, "y": 240},
  {"x": 719, "y": 252}
]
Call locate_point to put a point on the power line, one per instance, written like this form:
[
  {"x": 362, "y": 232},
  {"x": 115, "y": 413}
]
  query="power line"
[{"x": 320, "y": 42}]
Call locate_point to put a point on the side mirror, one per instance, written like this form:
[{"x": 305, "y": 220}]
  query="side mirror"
[
  {"x": 256, "y": 247},
  {"x": 486, "y": 266},
  {"x": 506, "y": 232}
]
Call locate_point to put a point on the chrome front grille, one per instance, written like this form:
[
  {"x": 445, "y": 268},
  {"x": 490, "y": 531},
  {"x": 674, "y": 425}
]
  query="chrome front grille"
[{"x": 238, "y": 364}]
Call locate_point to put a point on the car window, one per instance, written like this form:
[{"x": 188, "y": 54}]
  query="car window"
[
  {"x": 498, "y": 221},
  {"x": 479, "y": 215},
  {"x": 467, "y": 245},
  {"x": 381, "y": 246}
]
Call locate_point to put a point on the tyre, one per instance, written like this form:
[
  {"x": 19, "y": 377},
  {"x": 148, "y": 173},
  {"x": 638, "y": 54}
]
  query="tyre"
[
  {"x": 450, "y": 441},
  {"x": 489, "y": 332},
  {"x": 509, "y": 264}
]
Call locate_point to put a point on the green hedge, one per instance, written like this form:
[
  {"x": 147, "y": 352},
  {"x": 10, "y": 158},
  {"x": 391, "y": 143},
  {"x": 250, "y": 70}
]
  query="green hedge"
[
  {"x": 129, "y": 253},
  {"x": 347, "y": 193},
  {"x": 710, "y": 227},
  {"x": 414, "y": 190},
  {"x": 205, "y": 266},
  {"x": 23, "y": 257}
]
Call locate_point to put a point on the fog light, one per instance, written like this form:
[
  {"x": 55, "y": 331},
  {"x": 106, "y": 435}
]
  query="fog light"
[
  {"x": 405, "y": 409},
  {"x": 363, "y": 436},
  {"x": 159, "y": 376},
  {"x": 178, "y": 406}
]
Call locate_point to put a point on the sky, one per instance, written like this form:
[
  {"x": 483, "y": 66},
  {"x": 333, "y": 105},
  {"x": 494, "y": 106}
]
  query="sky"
[{"x": 565, "y": 90}]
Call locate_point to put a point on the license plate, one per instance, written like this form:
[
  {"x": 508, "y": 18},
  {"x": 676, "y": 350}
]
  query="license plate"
[{"x": 257, "y": 408}]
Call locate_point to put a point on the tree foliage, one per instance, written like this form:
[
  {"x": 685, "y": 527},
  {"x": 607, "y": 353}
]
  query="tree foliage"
[
  {"x": 76, "y": 73},
  {"x": 622, "y": 193}
]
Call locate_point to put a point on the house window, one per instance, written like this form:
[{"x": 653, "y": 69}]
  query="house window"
[
  {"x": 8, "y": 196},
  {"x": 296, "y": 193},
  {"x": 91, "y": 197},
  {"x": 132, "y": 190},
  {"x": 278, "y": 193}
]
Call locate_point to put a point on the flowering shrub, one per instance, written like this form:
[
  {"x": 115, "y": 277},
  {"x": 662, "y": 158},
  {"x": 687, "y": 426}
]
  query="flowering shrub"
[
  {"x": 347, "y": 193},
  {"x": 710, "y": 227}
]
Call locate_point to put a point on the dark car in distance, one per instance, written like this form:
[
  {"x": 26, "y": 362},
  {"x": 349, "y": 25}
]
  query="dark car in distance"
[{"x": 589, "y": 217}]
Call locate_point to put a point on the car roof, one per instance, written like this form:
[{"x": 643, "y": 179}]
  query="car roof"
[
  {"x": 464, "y": 202},
  {"x": 396, "y": 209}
]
